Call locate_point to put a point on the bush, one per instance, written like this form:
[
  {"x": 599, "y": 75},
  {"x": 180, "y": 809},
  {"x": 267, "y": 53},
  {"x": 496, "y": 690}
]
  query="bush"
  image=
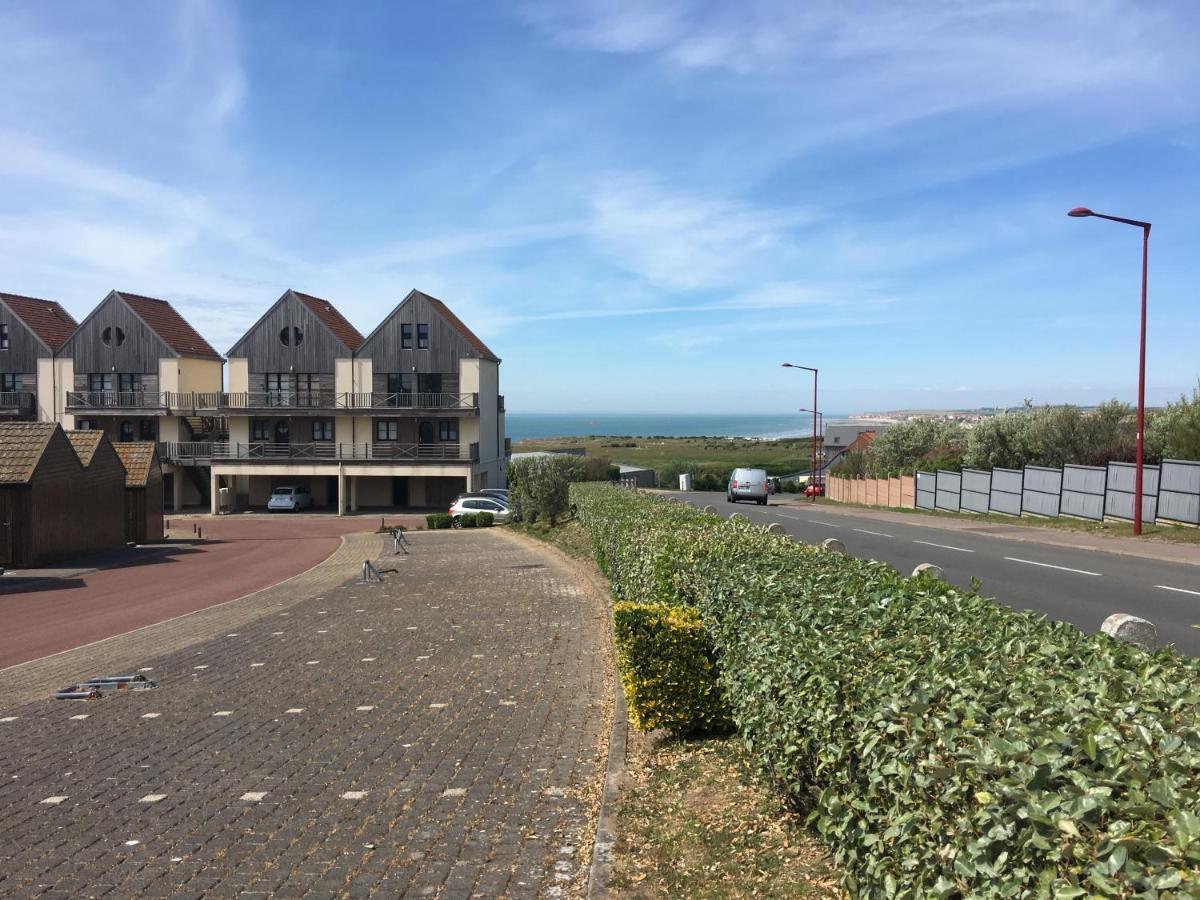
[
  {"x": 596, "y": 468},
  {"x": 667, "y": 667},
  {"x": 484, "y": 519},
  {"x": 438, "y": 520},
  {"x": 468, "y": 520},
  {"x": 538, "y": 486},
  {"x": 943, "y": 745}
]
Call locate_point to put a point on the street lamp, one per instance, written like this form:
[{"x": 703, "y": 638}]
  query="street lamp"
[
  {"x": 821, "y": 430},
  {"x": 814, "y": 406},
  {"x": 1081, "y": 212}
]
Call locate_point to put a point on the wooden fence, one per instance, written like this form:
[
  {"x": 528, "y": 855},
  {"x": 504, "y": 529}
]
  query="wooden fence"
[{"x": 896, "y": 492}]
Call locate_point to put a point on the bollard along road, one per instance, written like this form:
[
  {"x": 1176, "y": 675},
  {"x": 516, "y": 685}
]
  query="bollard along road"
[{"x": 1071, "y": 584}]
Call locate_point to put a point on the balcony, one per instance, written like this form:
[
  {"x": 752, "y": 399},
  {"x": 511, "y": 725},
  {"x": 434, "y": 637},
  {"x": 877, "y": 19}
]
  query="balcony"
[
  {"x": 325, "y": 451},
  {"x": 150, "y": 401},
  {"x": 16, "y": 403},
  {"x": 407, "y": 400}
]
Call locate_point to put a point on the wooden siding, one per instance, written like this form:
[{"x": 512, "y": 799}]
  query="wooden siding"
[
  {"x": 24, "y": 348},
  {"x": 149, "y": 380},
  {"x": 321, "y": 381},
  {"x": 140, "y": 351},
  {"x": 379, "y": 381},
  {"x": 446, "y": 344},
  {"x": 144, "y": 512},
  {"x": 264, "y": 352}
]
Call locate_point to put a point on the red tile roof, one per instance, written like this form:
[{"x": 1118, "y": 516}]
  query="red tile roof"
[
  {"x": 334, "y": 320},
  {"x": 45, "y": 318},
  {"x": 170, "y": 326},
  {"x": 457, "y": 324}
]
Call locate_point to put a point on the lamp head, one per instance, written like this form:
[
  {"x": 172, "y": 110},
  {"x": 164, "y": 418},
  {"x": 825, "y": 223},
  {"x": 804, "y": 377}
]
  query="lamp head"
[{"x": 1080, "y": 212}]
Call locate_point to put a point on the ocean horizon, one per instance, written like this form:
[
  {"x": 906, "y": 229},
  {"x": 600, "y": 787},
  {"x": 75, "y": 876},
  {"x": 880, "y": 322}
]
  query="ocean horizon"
[{"x": 541, "y": 426}]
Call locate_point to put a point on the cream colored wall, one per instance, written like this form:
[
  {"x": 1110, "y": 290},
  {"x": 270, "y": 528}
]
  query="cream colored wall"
[
  {"x": 168, "y": 375},
  {"x": 489, "y": 404},
  {"x": 364, "y": 373},
  {"x": 170, "y": 429},
  {"x": 54, "y": 378},
  {"x": 343, "y": 376},
  {"x": 200, "y": 376},
  {"x": 374, "y": 491},
  {"x": 239, "y": 429},
  {"x": 239, "y": 376},
  {"x": 352, "y": 429},
  {"x": 468, "y": 375}
]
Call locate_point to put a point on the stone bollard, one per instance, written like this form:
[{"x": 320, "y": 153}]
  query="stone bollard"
[
  {"x": 775, "y": 528},
  {"x": 737, "y": 517},
  {"x": 710, "y": 509},
  {"x": 1132, "y": 630},
  {"x": 929, "y": 570},
  {"x": 833, "y": 545}
]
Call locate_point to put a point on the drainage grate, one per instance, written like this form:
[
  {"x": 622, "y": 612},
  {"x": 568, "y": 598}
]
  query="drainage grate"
[{"x": 94, "y": 688}]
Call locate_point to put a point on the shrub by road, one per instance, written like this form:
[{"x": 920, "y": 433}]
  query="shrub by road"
[{"x": 943, "y": 745}]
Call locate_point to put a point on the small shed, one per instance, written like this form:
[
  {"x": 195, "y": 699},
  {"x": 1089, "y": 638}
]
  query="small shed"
[
  {"x": 143, "y": 491},
  {"x": 53, "y": 504}
]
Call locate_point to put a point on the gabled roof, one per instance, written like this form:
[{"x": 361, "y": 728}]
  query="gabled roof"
[
  {"x": 86, "y": 443},
  {"x": 332, "y": 319},
  {"x": 452, "y": 320},
  {"x": 45, "y": 318},
  {"x": 21, "y": 447},
  {"x": 163, "y": 319},
  {"x": 138, "y": 458}
]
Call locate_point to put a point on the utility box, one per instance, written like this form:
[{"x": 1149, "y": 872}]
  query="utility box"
[
  {"x": 685, "y": 481},
  {"x": 223, "y": 500}
]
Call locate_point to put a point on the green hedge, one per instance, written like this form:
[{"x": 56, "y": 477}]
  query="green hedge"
[
  {"x": 439, "y": 520},
  {"x": 942, "y": 744},
  {"x": 484, "y": 519},
  {"x": 468, "y": 520}
]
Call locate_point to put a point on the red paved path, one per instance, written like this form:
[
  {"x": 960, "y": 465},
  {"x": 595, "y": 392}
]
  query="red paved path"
[{"x": 244, "y": 555}]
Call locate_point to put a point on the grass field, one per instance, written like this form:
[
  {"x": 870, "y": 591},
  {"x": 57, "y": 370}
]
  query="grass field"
[{"x": 710, "y": 454}]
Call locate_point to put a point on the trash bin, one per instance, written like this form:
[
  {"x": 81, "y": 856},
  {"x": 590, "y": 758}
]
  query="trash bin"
[{"x": 685, "y": 481}]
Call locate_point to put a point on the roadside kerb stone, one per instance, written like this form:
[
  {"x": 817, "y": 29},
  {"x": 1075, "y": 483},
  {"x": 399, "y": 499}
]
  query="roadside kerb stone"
[
  {"x": 928, "y": 570},
  {"x": 1132, "y": 630},
  {"x": 833, "y": 545}
]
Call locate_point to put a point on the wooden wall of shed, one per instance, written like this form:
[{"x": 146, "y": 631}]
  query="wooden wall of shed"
[
  {"x": 446, "y": 345},
  {"x": 24, "y": 350},
  {"x": 265, "y": 352},
  {"x": 16, "y": 525},
  {"x": 139, "y": 352}
]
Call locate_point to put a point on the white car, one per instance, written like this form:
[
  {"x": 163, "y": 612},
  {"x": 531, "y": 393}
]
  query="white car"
[
  {"x": 748, "y": 484},
  {"x": 291, "y": 499},
  {"x": 477, "y": 504}
]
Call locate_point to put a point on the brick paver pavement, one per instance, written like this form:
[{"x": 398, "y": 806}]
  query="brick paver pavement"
[{"x": 440, "y": 734}]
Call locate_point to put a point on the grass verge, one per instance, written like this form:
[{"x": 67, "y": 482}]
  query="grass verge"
[
  {"x": 717, "y": 454},
  {"x": 568, "y": 536}
]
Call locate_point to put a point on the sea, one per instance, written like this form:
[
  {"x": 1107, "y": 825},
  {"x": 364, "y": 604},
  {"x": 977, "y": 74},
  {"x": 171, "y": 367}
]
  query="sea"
[{"x": 537, "y": 426}]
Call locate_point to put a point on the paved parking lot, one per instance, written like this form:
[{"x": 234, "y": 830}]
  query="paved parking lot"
[{"x": 440, "y": 734}]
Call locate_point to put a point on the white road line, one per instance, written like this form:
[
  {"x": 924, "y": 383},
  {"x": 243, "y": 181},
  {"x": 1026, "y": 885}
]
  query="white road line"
[
  {"x": 876, "y": 533},
  {"x": 790, "y": 516},
  {"x": 944, "y": 546},
  {"x": 1030, "y": 562},
  {"x": 1167, "y": 587},
  {"x": 826, "y": 524}
]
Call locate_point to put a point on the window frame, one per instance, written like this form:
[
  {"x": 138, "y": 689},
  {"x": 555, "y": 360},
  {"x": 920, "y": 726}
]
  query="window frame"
[
  {"x": 263, "y": 427},
  {"x": 10, "y": 382},
  {"x": 125, "y": 423},
  {"x": 5, "y": 340},
  {"x": 406, "y": 336},
  {"x": 423, "y": 336},
  {"x": 325, "y": 426},
  {"x": 148, "y": 430},
  {"x": 448, "y": 430},
  {"x": 391, "y": 426}
]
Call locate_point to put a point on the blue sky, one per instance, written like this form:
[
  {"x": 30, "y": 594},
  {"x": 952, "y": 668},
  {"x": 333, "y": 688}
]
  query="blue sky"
[{"x": 640, "y": 206}]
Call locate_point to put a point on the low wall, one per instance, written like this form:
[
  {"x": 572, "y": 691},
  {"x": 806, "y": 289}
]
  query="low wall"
[{"x": 895, "y": 492}]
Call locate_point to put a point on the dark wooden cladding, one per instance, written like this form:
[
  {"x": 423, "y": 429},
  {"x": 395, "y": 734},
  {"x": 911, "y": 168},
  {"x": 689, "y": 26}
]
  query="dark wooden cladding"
[
  {"x": 446, "y": 344},
  {"x": 265, "y": 352},
  {"x": 24, "y": 348},
  {"x": 139, "y": 352}
]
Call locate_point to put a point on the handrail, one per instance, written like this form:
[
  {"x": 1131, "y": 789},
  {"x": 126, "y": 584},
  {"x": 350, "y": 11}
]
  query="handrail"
[
  {"x": 16, "y": 400},
  {"x": 408, "y": 400},
  {"x": 116, "y": 400},
  {"x": 199, "y": 402},
  {"x": 324, "y": 450}
]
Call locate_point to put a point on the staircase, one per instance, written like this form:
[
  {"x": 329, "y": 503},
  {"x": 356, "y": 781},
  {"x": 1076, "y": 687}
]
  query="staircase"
[{"x": 207, "y": 428}]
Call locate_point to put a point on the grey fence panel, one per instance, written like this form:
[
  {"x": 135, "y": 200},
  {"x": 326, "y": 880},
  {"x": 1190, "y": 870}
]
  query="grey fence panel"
[
  {"x": 948, "y": 486},
  {"x": 976, "y": 490},
  {"x": 1041, "y": 491},
  {"x": 1118, "y": 496},
  {"x": 1083, "y": 491},
  {"x": 1179, "y": 491},
  {"x": 1005, "y": 493},
  {"x": 926, "y": 490}
]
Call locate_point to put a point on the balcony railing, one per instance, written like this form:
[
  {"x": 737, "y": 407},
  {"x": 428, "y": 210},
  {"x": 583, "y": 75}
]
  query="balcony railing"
[
  {"x": 16, "y": 401},
  {"x": 116, "y": 400},
  {"x": 380, "y": 451},
  {"x": 408, "y": 400}
]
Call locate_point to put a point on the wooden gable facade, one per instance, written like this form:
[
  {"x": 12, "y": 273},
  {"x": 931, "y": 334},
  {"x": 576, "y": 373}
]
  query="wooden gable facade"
[
  {"x": 291, "y": 337},
  {"x": 115, "y": 339}
]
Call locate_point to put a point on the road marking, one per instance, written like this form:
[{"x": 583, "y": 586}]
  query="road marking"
[
  {"x": 368, "y": 659},
  {"x": 223, "y": 712},
  {"x": 354, "y": 795},
  {"x": 151, "y": 715},
  {"x": 454, "y": 792},
  {"x": 1030, "y": 562},
  {"x": 295, "y": 710},
  {"x": 944, "y": 546},
  {"x": 153, "y": 798},
  {"x": 253, "y": 796},
  {"x": 257, "y": 665},
  {"x": 1167, "y": 587},
  {"x": 80, "y": 716},
  {"x": 826, "y": 524},
  {"x": 55, "y": 800},
  {"x": 364, "y": 708},
  {"x": 9, "y": 719},
  {"x": 876, "y": 533}
]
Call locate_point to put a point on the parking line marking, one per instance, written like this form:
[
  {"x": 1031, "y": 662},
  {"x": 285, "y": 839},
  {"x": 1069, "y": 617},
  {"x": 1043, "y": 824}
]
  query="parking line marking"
[
  {"x": 55, "y": 800},
  {"x": 253, "y": 796},
  {"x": 368, "y": 659},
  {"x": 9, "y": 719},
  {"x": 223, "y": 712},
  {"x": 826, "y": 524},
  {"x": 1167, "y": 587},
  {"x": 199, "y": 667},
  {"x": 364, "y": 708},
  {"x": 1030, "y": 562},
  {"x": 152, "y": 798},
  {"x": 353, "y": 795},
  {"x": 80, "y": 716},
  {"x": 944, "y": 546},
  {"x": 295, "y": 710},
  {"x": 257, "y": 665},
  {"x": 151, "y": 715},
  {"x": 876, "y": 533}
]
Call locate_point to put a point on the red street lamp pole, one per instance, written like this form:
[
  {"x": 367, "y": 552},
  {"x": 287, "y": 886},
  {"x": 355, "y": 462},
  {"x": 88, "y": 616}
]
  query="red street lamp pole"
[
  {"x": 814, "y": 434},
  {"x": 1082, "y": 212},
  {"x": 819, "y": 429}
]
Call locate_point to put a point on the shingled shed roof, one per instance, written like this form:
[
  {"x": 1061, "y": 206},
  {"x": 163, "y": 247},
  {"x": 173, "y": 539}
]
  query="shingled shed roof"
[
  {"x": 45, "y": 318},
  {"x": 332, "y": 319},
  {"x": 175, "y": 331},
  {"x": 21, "y": 447},
  {"x": 86, "y": 443},
  {"x": 138, "y": 457}
]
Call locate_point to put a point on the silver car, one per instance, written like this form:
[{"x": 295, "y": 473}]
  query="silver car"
[
  {"x": 477, "y": 504},
  {"x": 748, "y": 484}
]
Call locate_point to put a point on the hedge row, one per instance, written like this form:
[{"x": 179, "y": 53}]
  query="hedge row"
[{"x": 942, "y": 744}]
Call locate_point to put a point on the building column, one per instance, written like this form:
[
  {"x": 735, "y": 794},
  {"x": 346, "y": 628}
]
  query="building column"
[
  {"x": 177, "y": 489},
  {"x": 470, "y": 479},
  {"x": 214, "y": 485},
  {"x": 341, "y": 491},
  {"x": 354, "y": 493}
]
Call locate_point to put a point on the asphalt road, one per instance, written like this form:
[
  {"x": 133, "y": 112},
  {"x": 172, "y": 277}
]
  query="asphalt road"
[{"x": 1080, "y": 586}]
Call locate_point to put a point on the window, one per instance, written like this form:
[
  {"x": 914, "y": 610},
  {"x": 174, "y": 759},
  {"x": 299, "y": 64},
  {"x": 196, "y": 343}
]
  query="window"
[
  {"x": 291, "y": 336},
  {"x": 126, "y": 432},
  {"x": 278, "y": 387},
  {"x": 405, "y": 337},
  {"x": 322, "y": 430},
  {"x": 148, "y": 430},
  {"x": 129, "y": 383},
  {"x": 385, "y": 430},
  {"x": 399, "y": 383},
  {"x": 101, "y": 382},
  {"x": 86, "y": 424},
  {"x": 448, "y": 430},
  {"x": 3, "y": 335},
  {"x": 109, "y": 333},
  {"x": 422, "y": 337},
  {"x": 307, "y": 386},
  {"x": 9, "y": 382},
  {"x": 260, "y": 430},
  {"x": 429, "y": 383}
]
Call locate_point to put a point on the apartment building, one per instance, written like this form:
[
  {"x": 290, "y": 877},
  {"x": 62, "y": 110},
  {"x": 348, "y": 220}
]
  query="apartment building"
[{"x": 31, "y": 332}]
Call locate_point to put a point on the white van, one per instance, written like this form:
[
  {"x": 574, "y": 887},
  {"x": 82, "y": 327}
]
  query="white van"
[{"x": 747, "y": 484}]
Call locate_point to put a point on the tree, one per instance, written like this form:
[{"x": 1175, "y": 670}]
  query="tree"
[
  {"x": 1174, "y": 432},
  {"x": 902, "y": 447},
  {"x": 538, "y": 486}
]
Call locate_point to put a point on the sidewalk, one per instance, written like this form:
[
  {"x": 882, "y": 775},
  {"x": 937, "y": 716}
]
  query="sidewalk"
[
  {"x": 440, "y": 734},
  {"x": 1032, "y": 534}
]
